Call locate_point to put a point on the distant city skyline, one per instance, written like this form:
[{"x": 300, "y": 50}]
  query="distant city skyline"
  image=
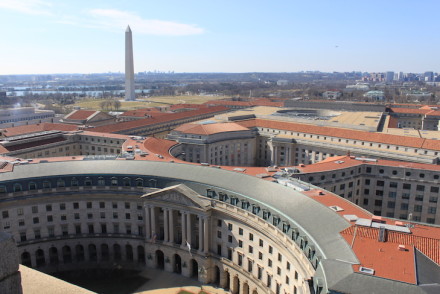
[{"x": 49, "y": 37}]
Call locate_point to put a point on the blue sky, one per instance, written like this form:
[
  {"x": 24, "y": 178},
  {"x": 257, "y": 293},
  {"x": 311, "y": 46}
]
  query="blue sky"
[{"x": 54, "y": 36}]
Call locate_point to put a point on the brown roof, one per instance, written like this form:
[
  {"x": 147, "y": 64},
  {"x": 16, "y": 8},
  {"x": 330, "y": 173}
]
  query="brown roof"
[
  {"x": 80, "y": 114},
  {"x": 344, "y": 133},
  {"x": 209, "y": 129},
  {"x": 128, "y": 125},
  {"x": 28, "y": 129},
  {"x": 410, "y": 110}
]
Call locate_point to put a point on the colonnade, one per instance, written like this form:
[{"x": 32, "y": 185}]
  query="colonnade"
[{"x": 177, "y": 227}]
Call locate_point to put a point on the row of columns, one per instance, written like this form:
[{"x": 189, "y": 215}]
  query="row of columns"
[
  {"x": 170, "y": 223},
  {"x": 86, "y": 254}
]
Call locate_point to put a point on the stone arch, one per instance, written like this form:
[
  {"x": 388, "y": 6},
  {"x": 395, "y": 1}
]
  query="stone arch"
[
  {"x": 39, "y": 257},
  {"x": 105, "y": 252},
  {"x": 226, "y": 281},
  {"x": 160, "y": 259},
  {"x": 79, "y": 252},
  {"x": 117, "y": 253},
  {"x": 235, "y": 285},
  {"x": 141, "y": 254},
  {"x": 194, "y": 267},
  {"x": 26, "y": 259},
  {"x": 53, "y": 255},
  {"x": 129, "y": 252},
  {"x": 255, "y": 291},
  {"x": 245, "y": 288},
  {"x": 177, "y": 264},
  {"x": 216, "y": 279},
  {"x": 93, "y": 255},
  {"x": 67, "y": 254}
]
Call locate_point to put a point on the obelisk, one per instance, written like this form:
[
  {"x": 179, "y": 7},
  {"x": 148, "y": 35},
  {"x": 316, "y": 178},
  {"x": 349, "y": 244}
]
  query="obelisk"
[{"x": 129, "y": 68}]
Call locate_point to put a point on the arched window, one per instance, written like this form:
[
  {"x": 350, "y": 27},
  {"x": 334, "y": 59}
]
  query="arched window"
[
  {"x": 88, "y": 181},
  {"x": 61, "y": 183},
  {"x": 153, "y": 183},
  {"x": 17, "y": 187},
  {"x": 74, "y": 182},
  {"x": 126, "y": 182},
  {"x": 3, "y": 189},
  {"x": 101, "y": 181},
  {"x": 139, "y": 182},
  {"x": 114, "y": 181},
  {"x": 46, "y": 185},
  {"x": 32, "y": 186}
]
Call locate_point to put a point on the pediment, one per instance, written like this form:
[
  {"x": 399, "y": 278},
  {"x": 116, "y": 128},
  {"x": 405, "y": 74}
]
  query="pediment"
[{"x": 180, "y": 195}]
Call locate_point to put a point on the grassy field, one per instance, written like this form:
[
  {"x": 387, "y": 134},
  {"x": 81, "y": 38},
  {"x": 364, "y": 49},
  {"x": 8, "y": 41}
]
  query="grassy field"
[{"x": 94, "y": 104}]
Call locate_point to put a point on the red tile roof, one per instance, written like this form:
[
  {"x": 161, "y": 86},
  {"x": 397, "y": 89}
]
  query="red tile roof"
[
  {"x": 410, "y": 110},
  {"x": 341, "y": 162},
  {"x": 344, "y": 133},
  {"x": 209, "y": 129},
  {"x": 123, "y": 126},
  {"x": 80, "y": 114},
  {"x": 28, "y": 129},
  {"x": 384, "y": 257}
]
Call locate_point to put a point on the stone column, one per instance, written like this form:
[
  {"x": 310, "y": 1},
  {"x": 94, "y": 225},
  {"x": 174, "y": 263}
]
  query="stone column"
[
  {"x": 183, "y": 228},
  {"x": 165, "y": 224},
  {"x": 171, "y": 224},
  {"x": 147, "y": 223},
  {"x": 200, "y": 233},
  {"x": 153, "y": 222},
  {"x": 10, "y": 277},
  {"x": 205, "y": 235},
  {"x": 188, "y": 228}
]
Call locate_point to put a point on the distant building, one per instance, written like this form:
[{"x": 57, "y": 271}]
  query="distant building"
[
  {"x": 389, "y": 76},
  {"x": 11, "y": 117},
  {"x": 282, "y": 83},
  {"x": 332, "y": 94},
  {"x": 88, "y": 118},
  {"x": 359, "y": 86},
  {"x": 375, "y": 95},
  {"x": 429, "y": 76}
]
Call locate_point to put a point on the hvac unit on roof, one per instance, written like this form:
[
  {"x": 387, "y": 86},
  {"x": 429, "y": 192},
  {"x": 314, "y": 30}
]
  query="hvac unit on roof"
[{"x": 366, "y": 270}]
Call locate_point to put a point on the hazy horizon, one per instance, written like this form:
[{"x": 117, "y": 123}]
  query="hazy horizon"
[{"x": 49, "y": 37}]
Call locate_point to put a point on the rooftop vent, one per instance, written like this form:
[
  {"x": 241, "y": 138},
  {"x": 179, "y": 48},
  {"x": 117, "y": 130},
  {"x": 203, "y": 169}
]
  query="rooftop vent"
[
  {"x": 339, "y": 161},
  {"x": 402, "y": 248},
  {"x": 366, "y": 270},
  {"x": 376, "y": 218},
  {"x": 382, "y": 234},
  {"x": 320, "y": 193},
  {"x": 351, "y": 217},
  {"x": 336, "y": 208}
]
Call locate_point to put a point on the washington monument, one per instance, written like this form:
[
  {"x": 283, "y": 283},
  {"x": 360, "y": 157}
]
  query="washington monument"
[{"x": 129, "y": 68}]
